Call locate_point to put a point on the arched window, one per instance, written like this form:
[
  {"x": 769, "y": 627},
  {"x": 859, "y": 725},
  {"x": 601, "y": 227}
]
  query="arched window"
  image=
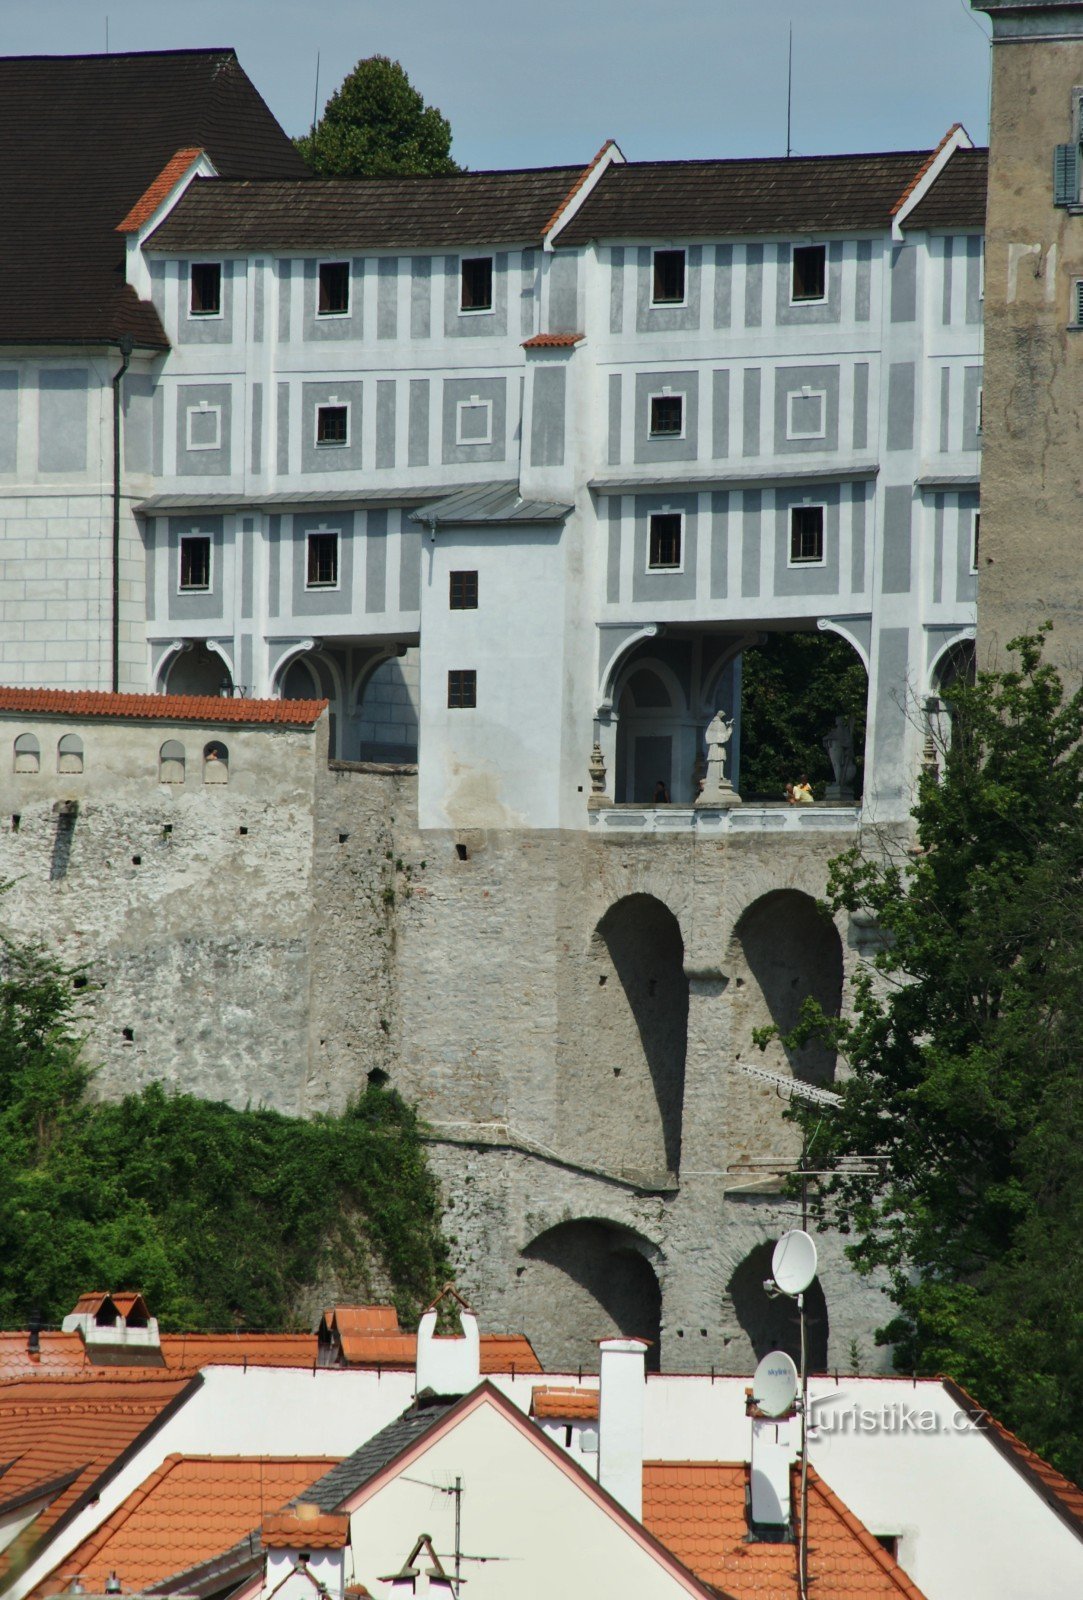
[
  {"x": 27, "y": 753},
  {"x": 69, "y": 753},
  {"x": 171, "y": 762},
  {"x": 215, "y": 762}
]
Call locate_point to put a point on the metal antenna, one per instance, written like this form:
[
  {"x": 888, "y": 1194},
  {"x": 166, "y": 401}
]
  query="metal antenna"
[
  {"x": 789, "y": 98},
  {"x": 316, "y": 93}
]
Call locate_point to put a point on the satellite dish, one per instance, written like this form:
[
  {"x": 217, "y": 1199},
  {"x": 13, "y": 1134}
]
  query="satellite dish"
[
  {"x": 793, "y": 1265},
  {"x": 774, "y": 1384}
]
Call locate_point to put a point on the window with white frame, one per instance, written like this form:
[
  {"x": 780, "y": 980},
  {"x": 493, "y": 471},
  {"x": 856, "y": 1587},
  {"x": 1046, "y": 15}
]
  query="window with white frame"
[
  {"x": 808, "y": 273},
  {"x": 204, "y": 427},
  {"x": 321, "y": 564},
  {"x": 668, "y": 275},
  {"x": 806, "y": 413},
  {"x": 332, "y": 423},
  {"x": 806, "y": 536},
  {"x": 476, "y": 283},
  {"x": 667, "y": 415},
  {"x": 665, "y": 541},
  {"x": 474, "y": 421},
  {"x": 195, "y": 563},
  {"x": 333, "y": 296},
  {"x": 205, "y": 289}
]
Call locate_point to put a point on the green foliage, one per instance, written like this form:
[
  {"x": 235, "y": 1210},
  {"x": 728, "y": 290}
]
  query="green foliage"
[
  {"x": 221, "y": 1217},
  {"x": 378, "y": 126},
  {"x": 793, "y": 687},
  {"x": 964, "y": 1044}
]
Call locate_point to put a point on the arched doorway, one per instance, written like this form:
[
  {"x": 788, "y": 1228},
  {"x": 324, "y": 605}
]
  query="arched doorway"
[
  {"x": 198, "y": 671},
  {"x": 771, "y": 1323},
  {"x": 648, "y": 736},
  {"x": 587, "y": 1280},
  {"x": 793, "y": 687},
  {"x": 623, "y": 1044}
]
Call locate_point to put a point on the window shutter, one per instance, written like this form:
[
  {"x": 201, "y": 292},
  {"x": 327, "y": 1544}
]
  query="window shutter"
[
  {"x": 1065, "y": 174},
  {"x": 1077, "y": 302}
]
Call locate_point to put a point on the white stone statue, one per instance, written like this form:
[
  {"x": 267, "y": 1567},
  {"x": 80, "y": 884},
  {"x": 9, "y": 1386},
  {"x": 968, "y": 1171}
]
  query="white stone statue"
[
  {"x": 717, "y": 788},
  {"x": 839, "y": 744}
]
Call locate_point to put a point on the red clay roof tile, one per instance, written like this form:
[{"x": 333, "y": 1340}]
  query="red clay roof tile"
[
  {"x": 305, "y": 1526},
  {"x": 159, "y": 707},
  {"x": 553, "y": 341},
  {"x": 163, "y": 185},
  {"x": 567, "y": 1405}
]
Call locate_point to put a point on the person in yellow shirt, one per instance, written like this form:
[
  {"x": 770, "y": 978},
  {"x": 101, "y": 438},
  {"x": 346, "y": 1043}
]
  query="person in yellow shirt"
[{"x": 800, "y": 793}]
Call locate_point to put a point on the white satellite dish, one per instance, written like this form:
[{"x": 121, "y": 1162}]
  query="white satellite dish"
[
  {"x": 774, "y": 1384},
  {"x": 793, "y": 1265}
]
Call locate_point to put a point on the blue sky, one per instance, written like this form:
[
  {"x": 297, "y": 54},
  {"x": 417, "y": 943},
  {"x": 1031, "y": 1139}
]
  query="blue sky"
[{"x": 535, "y": 84}]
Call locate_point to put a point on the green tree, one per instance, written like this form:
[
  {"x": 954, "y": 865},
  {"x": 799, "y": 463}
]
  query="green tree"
[
  {"x": 378, "y": 126},
  {"x": 222, "y": 1217},
  {"x": 793, "y": 686},
  {"x": 964, "y": 1045}
]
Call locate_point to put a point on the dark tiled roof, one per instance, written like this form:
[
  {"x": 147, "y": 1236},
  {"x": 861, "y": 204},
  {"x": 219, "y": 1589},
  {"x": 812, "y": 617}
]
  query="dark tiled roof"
[
  {"x": 468, "y": 208},
  {"x": 957, "y": 198},
  {"x": 83, "y": 138},
  {"x": 709, "y": 199},
  {"x": 330, "y": 1491}
]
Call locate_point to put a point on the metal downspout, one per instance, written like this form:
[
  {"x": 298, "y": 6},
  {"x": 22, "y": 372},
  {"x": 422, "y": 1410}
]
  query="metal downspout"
[{"x": 125, "y": 345}]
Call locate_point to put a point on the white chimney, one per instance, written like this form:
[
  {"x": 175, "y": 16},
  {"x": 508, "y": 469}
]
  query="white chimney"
[
  {"x": 449, "y": 1365},
  {"x": 620, "y": 1421},
  {"x": 772, "y": 1457}
]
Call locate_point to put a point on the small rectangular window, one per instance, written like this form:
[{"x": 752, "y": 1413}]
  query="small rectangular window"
[
  {"x": 462, "y": 690},
  {"x": 476, "y": 284},
  {"x": 322, "y": 569},
  {"x": 667, "y": 416},
  {"x": 805, "y": 414},
  {"x": 195, "y": 561},
  {"x": 332, "y": 424},
  {"x": 1076, "y": 312},
  {"x": 808, "y": 279},
  {"x": 975, "y": 542},
  {"x": 806, "y": 535},
  {"x": 464, "y": 591},
  {"x": 665, "y": 539},
  {"x": 205, "y": 280},
  {"x": 475, "y": 421},
  {"x": 667, "y": 288},
  {"x": 334, "y": 294}
]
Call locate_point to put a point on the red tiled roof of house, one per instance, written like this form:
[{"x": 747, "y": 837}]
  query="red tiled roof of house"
[
  {"x": 187, "y": 1511},
  {"x": 60, "y": 1433},
  {"x": 567, "y": 1405},
  {"x": 553, "y": 341},
  {"x": 163, "y": 185},
  {"x": 206, "y": 708},
  {"x": 697, "y": 1510},
  {"x": 305, "y": 1526},
  {"x": 363, "y": 1319},
  {"x": 1059, "y": 1492}
]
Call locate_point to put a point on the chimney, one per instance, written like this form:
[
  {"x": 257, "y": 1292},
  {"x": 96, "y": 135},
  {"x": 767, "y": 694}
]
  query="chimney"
[
  {"x": 448, "y": 1365},
  {"x": 773, "y": 1452},
  {"x": 620, "y": 1421}
]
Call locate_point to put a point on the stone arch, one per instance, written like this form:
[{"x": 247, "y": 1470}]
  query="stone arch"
[
  {"x": 215, "y": 762},
  {"x": 309, "y": 673},
  {"x": 171, "y": 762},
  {"x": 69, "y": 753},
  {"x": 586, "y": 1280},
  {"x": 957, "y": 663},
  {"x": 651, "y": 711},
  {"x": 784, "y": 950},
  {"x": 771, "y": 1323},
  {"x": 623, "y": 1044},
  {"x": 27, "y": 753},
  {"x": 199, "y": 671},
  {"x": 388, "y": 708}
]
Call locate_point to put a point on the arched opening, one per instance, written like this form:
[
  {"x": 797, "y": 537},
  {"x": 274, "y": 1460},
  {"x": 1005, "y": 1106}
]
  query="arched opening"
[
  {"x": 310, "y": 677},
  {"x": 588, "y": 1280},
  {"x": 69, "y": 753},
  {"x": 646, "y": 738},
  {"x": 171, "y": 762},
  {"x": 198, "y": 671},
  {"x": 772, "y": 1322},
  {"x": 388, "y": 710},
  {"x": 794, "y": 688},
  {"x": 215, "y": 762},
  {"x": 622, "y": 1053},
  {"x": 785, "y": 950},
  {"x": 27, "y": 753}
]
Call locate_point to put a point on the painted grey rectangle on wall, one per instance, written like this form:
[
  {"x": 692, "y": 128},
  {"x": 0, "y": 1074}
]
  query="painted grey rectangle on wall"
[
  {"x": 459, "y": 324},
  {"x": 9, "y": 419},
  {"x": 204, "y": 429},
  {"x": 62, "y": 419},
  {"x": 945, "y": 309},
  {"x": 863, "y": 283},
  {"x": 660, "y": 586},
  {"x": 246, "y": 541},
  {"x": 155, "y": 531},
  {"x": 720, "y": 414},
  {"x": 945, "y": 409},
  {"x": 284, "y": 271},
  {"x": 257, "y": 277},
  {"x": 157, "y": 429},
  {"x": 861, "y": 405},
  {"x": 375, "y": 561},
  {"x": 420, "y": 297},
  {"x": 208, "y": 604},
  {"x": 385, "y": 422},
  {"x": 138, "y": 398},
  {"x": 751, "y": 537},
  {"x": 966, "y": 579},
  {"x": 753, "y": 285},
  {"x": 898, "y": 508},
  {"x": 274, "y": 560},
  {"x": 614, "y": 417},
  {"x": 409, "y": 565},
  {"x": 972, "y": 377},
  {"x": 901, "y": 380},
  {"x": 157, "y": 287},
  {"x": 973, "y": 279},
  {"x": 612, "y": 571},
  {"x": 283, "y": 428},
  {"x": 564, "y": 294},
  {"x": 457, "y": 447},
  {"x": 938, "y": 549},
  {"x": 660, "y": 448},
  {"x": 527, "y": 272},
  {"x": 723, "y": 285},
  {"x": 200, "y": 328},
  {"x": 751, "y": 420},
  {"x": 904, "y": 283},
  {"x": 616, "y": 290},
  {"x": 387, "y": 297},
  {"x": 418, "y": 423},
  {"x": 808, "y": 313},
  {"x": 667, "y": 318},
  {"x": 246, "y": 661},
  {"x": 858, "y": 534},
  {"x": 331, "y": 457},
  {"x": 806, "y": 577},
  {"x": 322, "y": 602},
  {"x": 891, "y": 708},
  {"x": 811, "y": 389},
  {"x": 547, "y": 417},
  {"x": 257, "y": 427},
  {"x": 720, "y": 554}
]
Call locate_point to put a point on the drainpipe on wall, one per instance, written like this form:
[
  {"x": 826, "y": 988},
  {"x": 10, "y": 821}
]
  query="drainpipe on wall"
[{"x": 124, "y": 344}]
